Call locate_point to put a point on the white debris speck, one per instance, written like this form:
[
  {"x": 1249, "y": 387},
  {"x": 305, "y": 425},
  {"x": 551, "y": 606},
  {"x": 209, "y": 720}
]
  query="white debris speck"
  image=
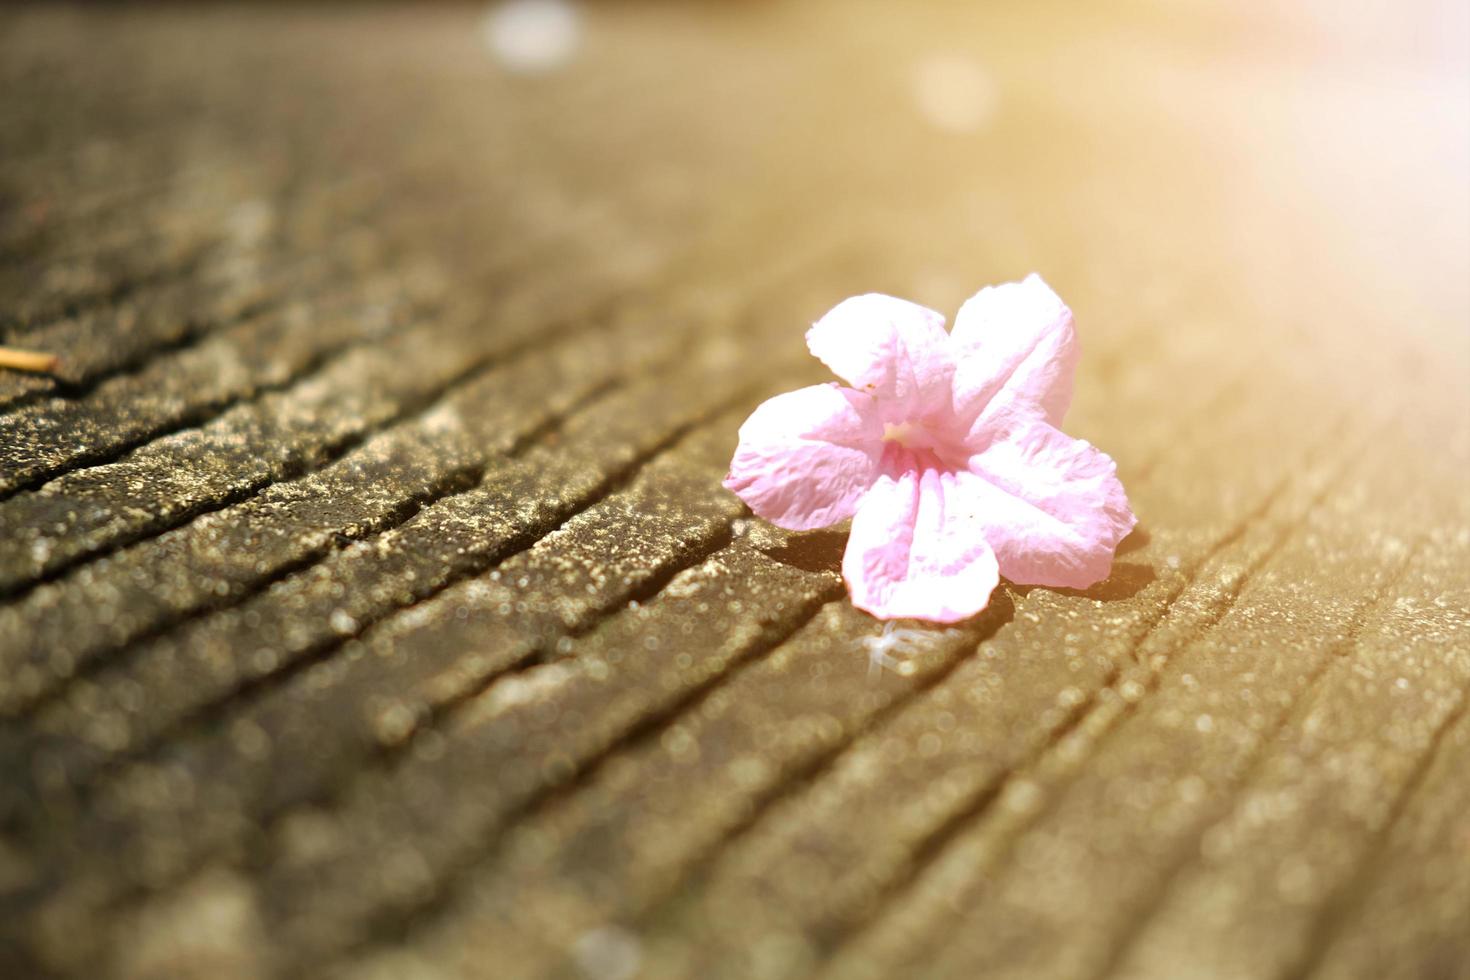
[
  {"x": 250, "y": 223},
  {"x": 1022, "y": 796},
  {"x": 953, "y": 93},
  {"x": 532, "y": 36},
  {"x": 608, "y": 953},
  {"x": 902, "y": 642}
]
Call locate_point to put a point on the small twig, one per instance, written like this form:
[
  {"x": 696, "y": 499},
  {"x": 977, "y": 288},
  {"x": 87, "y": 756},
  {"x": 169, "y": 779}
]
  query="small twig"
[{"x": 28, "y": 360}]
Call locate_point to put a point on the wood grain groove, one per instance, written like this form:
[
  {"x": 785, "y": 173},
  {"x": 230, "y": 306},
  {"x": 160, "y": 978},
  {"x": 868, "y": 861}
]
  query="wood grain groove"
[{"x": 1330, "y": 918}]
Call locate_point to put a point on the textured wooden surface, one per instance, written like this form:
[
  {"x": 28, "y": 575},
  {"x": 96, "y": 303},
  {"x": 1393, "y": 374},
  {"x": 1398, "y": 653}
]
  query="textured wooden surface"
[{"x": 370, "y": 606}]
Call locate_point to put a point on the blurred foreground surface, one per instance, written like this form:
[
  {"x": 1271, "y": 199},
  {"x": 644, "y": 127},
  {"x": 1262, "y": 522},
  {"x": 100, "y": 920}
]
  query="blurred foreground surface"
[{"x": 370, "y": 607}]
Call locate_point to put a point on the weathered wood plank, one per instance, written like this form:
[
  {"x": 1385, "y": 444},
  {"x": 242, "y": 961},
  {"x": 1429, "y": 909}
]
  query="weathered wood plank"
[
  {"x": 1408, "y": 911},
  {"x": 230, "y": 552},
  {"x": 1331, "y": 784},
  {"x": 459, "y": 535},
  {"x": 265, "y": 353}
]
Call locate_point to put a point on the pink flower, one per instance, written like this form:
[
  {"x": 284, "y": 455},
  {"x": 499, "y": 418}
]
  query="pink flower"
[{"x": 945, "y": 453}]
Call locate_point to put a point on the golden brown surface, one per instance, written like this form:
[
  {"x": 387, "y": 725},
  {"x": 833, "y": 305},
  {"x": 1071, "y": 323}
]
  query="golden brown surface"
[{"x": 370, "y": 606}]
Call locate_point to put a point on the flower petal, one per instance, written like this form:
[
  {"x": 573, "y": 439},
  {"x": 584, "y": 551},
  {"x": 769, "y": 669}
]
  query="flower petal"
[
  {"x": 891, "y": 348},
  {"x": 1053, "y": 507},
  {"x": 1015, "y": 349},
  {"x": 917, "y": 549},
  {"x": 805, "y": 457}
]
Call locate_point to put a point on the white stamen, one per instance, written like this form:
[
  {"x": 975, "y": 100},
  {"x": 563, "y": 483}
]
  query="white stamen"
[{"x": 883, "y": 647}]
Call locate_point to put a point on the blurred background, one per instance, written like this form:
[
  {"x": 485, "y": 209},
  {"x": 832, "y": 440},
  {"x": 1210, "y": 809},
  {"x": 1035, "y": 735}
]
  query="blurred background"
[{"x": 1302, "y": 165}]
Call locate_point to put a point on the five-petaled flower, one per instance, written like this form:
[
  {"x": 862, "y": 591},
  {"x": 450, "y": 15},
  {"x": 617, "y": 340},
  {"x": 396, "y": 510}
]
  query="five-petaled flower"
[{"x": 944, "y": 451}]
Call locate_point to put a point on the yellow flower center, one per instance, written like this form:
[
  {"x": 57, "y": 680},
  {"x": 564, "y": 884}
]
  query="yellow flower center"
[{"x": 910, "y": 435}]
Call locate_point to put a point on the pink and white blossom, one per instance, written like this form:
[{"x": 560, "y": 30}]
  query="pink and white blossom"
[{"x": 944, "y": 450}]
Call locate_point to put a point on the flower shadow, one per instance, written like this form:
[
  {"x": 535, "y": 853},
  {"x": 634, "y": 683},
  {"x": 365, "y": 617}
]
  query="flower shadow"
[
  {"x": 997, "y": 613},
  {"x": 1128, "y": 579},
  {"x": 1139, "y": 538},
  {"x": 812, "y": 551}
]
